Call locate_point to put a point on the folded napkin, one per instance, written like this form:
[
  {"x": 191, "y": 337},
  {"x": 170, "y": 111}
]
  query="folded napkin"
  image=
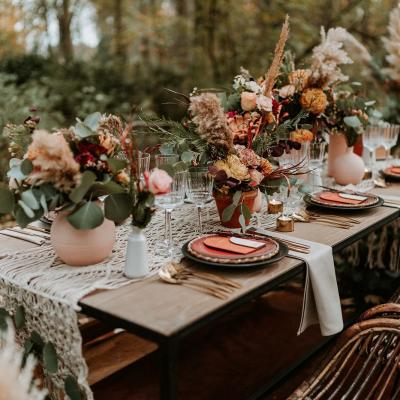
[
  {"x": 395, "y": 170},
  {"x": 321, "y": 302},
  {"x": 336, "y": 198},
  {"x": 390, "y": 200}
]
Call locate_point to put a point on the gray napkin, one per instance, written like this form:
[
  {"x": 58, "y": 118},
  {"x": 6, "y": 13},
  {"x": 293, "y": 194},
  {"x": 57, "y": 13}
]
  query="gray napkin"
[{"x": 321, "y": 302}]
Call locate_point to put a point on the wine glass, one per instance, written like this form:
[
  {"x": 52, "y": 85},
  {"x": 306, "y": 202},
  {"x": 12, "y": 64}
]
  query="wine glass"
[
  {"x": 389, "y": 138},
  {"x": 160, "y": 161},
  {"x": 371, "y": 140},
  {"x": 316, "y": 159},
  {"x": 170, "y": 201},
  {"x": 199, "y": 190}
]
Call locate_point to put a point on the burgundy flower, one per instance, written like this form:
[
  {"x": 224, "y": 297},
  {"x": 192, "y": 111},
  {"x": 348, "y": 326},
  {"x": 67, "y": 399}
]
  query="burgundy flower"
[
  {"x": 84, "y": 158},
  {"x": 92, "y": 148}
]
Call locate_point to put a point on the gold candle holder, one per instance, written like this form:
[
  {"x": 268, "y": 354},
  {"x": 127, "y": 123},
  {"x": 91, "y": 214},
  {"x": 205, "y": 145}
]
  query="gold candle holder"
[
  {"x": 285, "y": 224},
  {"x": 275, "y": 207},
  {"x": 367, "y": 174}
]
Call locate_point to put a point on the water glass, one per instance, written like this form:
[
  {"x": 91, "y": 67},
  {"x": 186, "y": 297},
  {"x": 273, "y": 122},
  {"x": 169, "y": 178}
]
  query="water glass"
[
  {"x": 372, "y": 140},
  {"x": 295, "y": 157},
  {"x": 171, "y": 200},
  {"x": 160, "y": 161},
  {"x": 316, "y": 160},
  {"x": 389, "y": 136},
  {"x": 199, "y": 190}
]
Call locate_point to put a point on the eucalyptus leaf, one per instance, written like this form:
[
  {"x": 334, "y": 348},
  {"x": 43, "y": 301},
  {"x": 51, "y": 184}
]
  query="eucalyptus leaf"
[
  {"x": 352, "y": 121},
  {"x": 50, "y": 360},
  {"x": 88, "y": 216},
  {"x": 28, "y": 347},
  {"x": 187, "y": 156},
  {"x": 30, "y": 200},
  {"x": 167, "y": 148},
  {"x": 26, "y": 166},
  {"x": 83, "y": 131},
  {"x": 72, "y": 388},
  {"x": 246, "y": 211},
  {"x": 27, "y": 210},
  {"x": 19, "y": 317},
  {"x": 227, "y": 214},
  {"x": 237, "y": 197},
  {"x": 102, "y": 189},
  {"x": 7, "y": 201},
  {"x": 93, "y": 120},
  {"x": 116, "y": 165},
  {"x": 43, "y": 203},
  {"x": 22, "y": 219},
  {"x": 37, "y": 340},
  {"x": 15, "y": 170},
  {"x": 87, "y": 180},
  {"x": 117, "y": 207}
]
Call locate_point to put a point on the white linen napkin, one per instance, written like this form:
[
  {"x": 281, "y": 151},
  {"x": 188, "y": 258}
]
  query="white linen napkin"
[
  {"x": 390, "y": 200},
  {"x": 321, "y": 302}
]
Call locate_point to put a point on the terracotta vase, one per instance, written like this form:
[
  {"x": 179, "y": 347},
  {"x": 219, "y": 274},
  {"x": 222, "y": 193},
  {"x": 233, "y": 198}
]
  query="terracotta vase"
[
  {"x": 79, "y": 247},
  {"x": 336, "y": 148},
  {"x": 224, "y": 200},
  {"x": 349, "y": 168}
]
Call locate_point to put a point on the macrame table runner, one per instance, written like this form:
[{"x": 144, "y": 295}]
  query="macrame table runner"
[{"x": 49, "y": 290}]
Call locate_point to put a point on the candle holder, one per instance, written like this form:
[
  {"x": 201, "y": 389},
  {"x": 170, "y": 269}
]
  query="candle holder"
[
  {"x": 275, "y": 206},
  {"x": 284, "y": 224}
]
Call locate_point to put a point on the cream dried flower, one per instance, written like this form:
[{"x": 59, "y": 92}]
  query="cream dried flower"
[
  {"x": 299, "y": 78},
  {"x": 53, "y": 161},
  {"x": 15, "y": 381},
  {"x": 209, "y": 116},
  {"x": 392, "y": 45},
  {"x": 331, "y": 54},
  {"x": 238, "y": 170}
]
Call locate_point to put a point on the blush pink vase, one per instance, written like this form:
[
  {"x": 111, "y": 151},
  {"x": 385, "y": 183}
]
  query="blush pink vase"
[
  {"x": 349, "y": 168},
  {"x": 79, "y": 247},
  {"x": 336, "y": 148}
]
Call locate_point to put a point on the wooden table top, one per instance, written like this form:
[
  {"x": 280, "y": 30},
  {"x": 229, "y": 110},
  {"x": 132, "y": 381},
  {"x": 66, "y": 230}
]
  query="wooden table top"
[{"x": 159, "y": 310}]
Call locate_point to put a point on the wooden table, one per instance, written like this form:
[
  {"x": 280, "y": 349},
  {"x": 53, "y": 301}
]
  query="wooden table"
[{"x": 165, "y": 313}]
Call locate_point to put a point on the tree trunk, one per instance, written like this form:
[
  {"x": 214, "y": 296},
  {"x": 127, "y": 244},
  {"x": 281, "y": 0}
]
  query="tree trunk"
[
  {"x": 64, "y": 22},
  {"x": 119, "y": 39}
]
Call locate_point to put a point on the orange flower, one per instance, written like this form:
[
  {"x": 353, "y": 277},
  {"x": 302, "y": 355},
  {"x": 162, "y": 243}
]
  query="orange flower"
[
  {"x": 302, "y": 135},
  {"x": 314, "y": 100}
]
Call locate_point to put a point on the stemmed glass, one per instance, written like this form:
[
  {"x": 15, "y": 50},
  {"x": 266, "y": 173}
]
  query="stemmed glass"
[
  {"x": 371, "y": 140},
  {"x": 389, "y": 138},
  {"x": 316, "y": 159},
  {"x": 199, "y": 190},
  {"x": 160, "y": 161},
  {"x": 171, "y": 200}
]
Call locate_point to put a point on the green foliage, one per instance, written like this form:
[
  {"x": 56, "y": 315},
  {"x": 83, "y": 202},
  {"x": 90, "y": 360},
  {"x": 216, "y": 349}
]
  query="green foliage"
[
  {"x": 118, "y": 206},
  {"x": 87, "y": 216}
]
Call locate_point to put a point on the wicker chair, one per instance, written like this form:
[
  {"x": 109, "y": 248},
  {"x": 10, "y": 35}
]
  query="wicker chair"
[{"x": 365, "y": 362}]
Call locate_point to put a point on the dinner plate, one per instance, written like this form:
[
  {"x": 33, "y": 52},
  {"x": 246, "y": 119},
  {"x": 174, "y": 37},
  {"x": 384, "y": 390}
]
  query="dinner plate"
[
  {"x": 390, "y": 175},
  {"x": 374, "y": 202},
  {"x": 282, "y": 252}
]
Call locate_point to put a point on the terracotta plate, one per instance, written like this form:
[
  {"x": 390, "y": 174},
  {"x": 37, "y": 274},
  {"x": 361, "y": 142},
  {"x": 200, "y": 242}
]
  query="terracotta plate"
[
  {"x": 391, "y": 173},
  {"x": 198, "y": 248},
  {"x": 283, "y": 252},
  {"x": 323, "y": 200}
]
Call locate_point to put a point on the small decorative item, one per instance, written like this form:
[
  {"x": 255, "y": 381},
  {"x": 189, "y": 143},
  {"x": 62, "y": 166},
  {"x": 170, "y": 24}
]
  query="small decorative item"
[
  {"x": 275, "y": 206},
  {"x": 285, "y": 224},
  {"x": 137, "y": 257},
  {"x": 349, "y": 168}
]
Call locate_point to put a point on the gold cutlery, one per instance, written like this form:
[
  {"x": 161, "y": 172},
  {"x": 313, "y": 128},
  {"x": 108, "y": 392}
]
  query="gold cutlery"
[
  {"x": 32, "y": 232},
  {"x": 167, "y": 274},
  {"x": 38, "y": 228},
  {"x": 333, "y": 217},
  {"x": 292, "y": 245},
  {"x": 303, "y": 216}
]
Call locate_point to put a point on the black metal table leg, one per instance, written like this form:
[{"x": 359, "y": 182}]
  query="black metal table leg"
[{"x": 169, "y": 370}]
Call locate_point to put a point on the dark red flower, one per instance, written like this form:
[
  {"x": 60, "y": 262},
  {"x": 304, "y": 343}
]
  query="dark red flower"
[
  {"x": 92, "y": 148},
  {"x": 84, "y": 158}
]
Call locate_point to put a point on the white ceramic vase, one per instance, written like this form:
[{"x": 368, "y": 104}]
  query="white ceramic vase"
[
  {"x": 79, "y": 247},
  {"x": 137, "y": 257},
  {"x": 349, "y": 168}
]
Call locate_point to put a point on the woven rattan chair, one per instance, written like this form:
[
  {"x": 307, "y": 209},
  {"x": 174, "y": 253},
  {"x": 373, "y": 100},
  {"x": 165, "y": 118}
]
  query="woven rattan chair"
[{"x": 365, "y": 363}]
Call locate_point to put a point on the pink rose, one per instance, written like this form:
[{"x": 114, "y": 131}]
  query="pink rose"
[
  {"x": 159, "y": 181},
  {"x": 256, "y": 176},
  {"x": 248, "y": 101}
]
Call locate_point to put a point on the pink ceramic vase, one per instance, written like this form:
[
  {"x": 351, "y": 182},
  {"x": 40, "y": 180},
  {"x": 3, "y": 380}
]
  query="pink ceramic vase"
[
  {"x": 79, "y": 247},
  {"x": 349, "y": 168},
  {"x": 336, "y": 148}
]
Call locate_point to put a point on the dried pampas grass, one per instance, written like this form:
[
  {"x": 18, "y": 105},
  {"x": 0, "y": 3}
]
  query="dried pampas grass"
[
  {"x": 273, "y": 71},
  {"x": 210, "y": 119}
]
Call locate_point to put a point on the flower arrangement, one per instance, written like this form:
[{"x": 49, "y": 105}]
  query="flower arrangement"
[
  {"x": 68, "y": 170},
  {"x": 316, "y": 90}
]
